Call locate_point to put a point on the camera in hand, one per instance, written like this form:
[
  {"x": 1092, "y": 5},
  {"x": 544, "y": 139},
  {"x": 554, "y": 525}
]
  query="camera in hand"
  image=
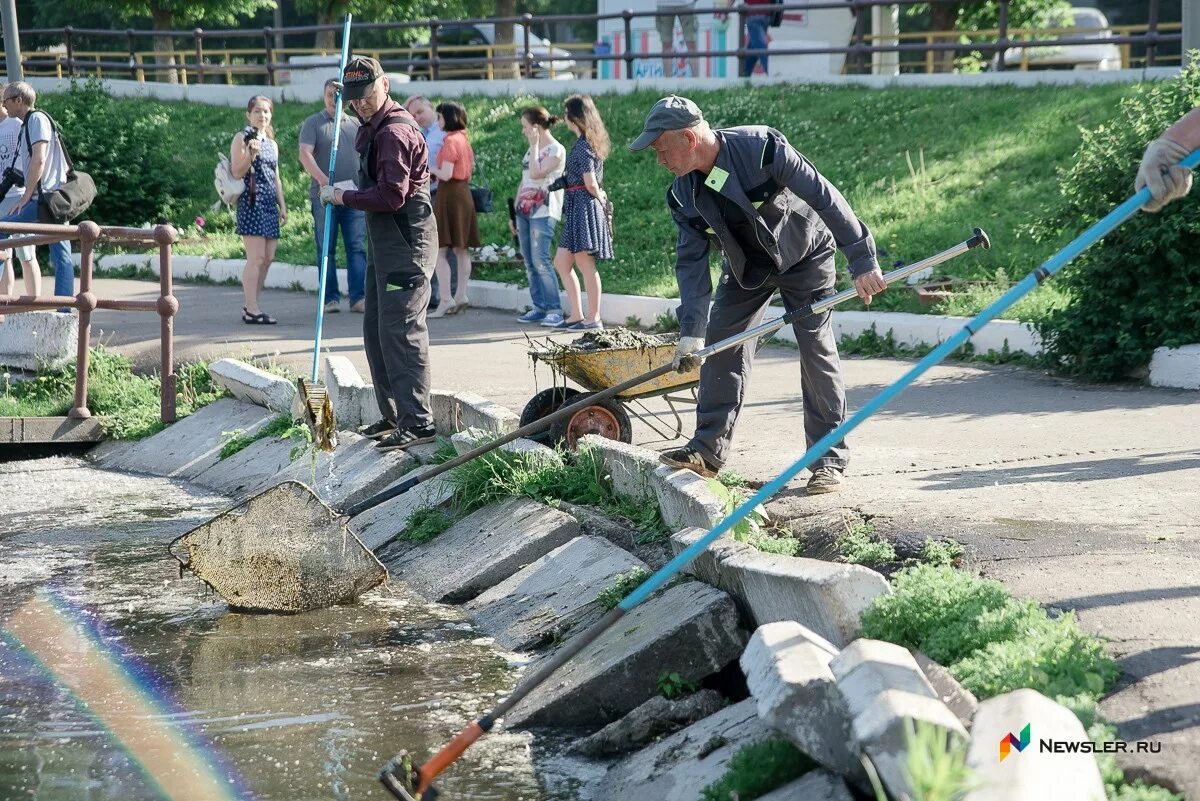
[
  {"x": 558, "y": 184},
  {"x": 250, "y": 132},
  {"x": 9, "y": 178}
]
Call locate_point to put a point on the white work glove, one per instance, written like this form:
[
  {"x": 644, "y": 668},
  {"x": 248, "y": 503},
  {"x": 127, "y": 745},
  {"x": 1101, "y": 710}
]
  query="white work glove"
[
  {"x": 684, "y": 361},
  {"x": 329, "y": 195},
  {"x": 1161, "y": 174}
]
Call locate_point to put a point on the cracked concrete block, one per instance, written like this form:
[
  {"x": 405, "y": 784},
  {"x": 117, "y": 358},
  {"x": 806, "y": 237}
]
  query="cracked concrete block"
[
  {"x": 652, "y": 720},
  {"x": 880, "y": 732},
  {"x": 343, "y": 383},
  {"x": 691, "y": 629},
  {"x": 34, "y": 340},
  {"x": 629, "y": 466},
  {"x": 483, "y": 549},
  {"x": 352, "y": 473},
  {"x": 816, "y": 785},
  {"x": 787, "y": 669},
  {"x": 249, "y": 383},
  {"x": 379, "y": 526},
  {"x": 1030, "y": 772},
  {"x": 553, "y": 596},
  {"x": 250, "y": 470},
  {"x": 685, "y": 499},
  {"x": 827, "y": 597},
  {"x": 962, "y": 702},
  {"x": 866, "y": 668},
  {"x": 456, "y": 411}
]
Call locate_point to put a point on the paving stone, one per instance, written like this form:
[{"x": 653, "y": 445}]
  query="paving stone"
[
  {"x": 962, "y": 702},
  {"x": 679, "y": 767},
  {"x": 880, "y": 732},
  {"x": 33, "y": 340},
  {"x": 1030, "y": 773},
  {"x": 787, "y": 669},
  {"x": 816, "y": 785},
  {"x": 483, "y": 549},
  {"x": 187, "y": 448},
  {"x": 343, "y": 383},
  {"x": 629, "y": 466},
  {"x": 866, "y": 668},
  {"x": 553, "y": 596},
  {"x": 379, "y": 526},
  {"x": 827, "y": 597},
  {"x": 249, "y": 383},
  {"x": 685, "y": 499},
  {"x": 690, "y": 629},
  {"x": 535, "y": 452},
  {"x": 657, "y": 717}
]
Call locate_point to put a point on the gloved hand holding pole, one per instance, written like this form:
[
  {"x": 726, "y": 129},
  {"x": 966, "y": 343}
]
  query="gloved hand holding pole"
[{"x": 684, "y": 362}]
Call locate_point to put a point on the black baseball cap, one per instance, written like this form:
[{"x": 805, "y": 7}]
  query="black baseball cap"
[
  {"x": 359, "y": 76},
  {"x": 669, "y": 114}
]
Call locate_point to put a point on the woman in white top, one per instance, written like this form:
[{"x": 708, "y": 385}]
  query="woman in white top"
[
  {"x": 538, "y": 212},
  {"x": 10, "y": 132}
]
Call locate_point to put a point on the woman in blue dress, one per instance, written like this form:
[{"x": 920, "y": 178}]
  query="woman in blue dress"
[
  {"x": 585, "y": 237},
  {"x": 261, "y": 208}
]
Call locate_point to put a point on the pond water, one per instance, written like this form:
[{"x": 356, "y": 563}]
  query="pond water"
[{"x": 289, "y": 707}]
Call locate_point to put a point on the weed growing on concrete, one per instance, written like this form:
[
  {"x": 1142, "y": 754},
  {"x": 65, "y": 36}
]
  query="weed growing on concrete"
[
  {"x": 624, "y": 584},
  {"x": 871, "y": 343},
  {"x": 758, "y": 769},
  {"x": 941, "y": 553},
  {"x": 750, "y": 525},
  {"x": 665, "y": 323},
  {"x": 445, "y": 451},
  {"x": 672, "y": 685},
  {"x": 936, "y": 763},
  {"x": 859, "y": 546},
  {"x": 782, "y": 543},
  {"x": 236, "y": 441},
  {"x": 731, "y": 479},
  {"x": 128, "y": 272},
  {"x": 425, "y": 524}
]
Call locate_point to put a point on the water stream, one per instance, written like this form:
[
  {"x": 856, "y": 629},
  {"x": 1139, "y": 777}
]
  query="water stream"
[{"x": 292, "y": 707}]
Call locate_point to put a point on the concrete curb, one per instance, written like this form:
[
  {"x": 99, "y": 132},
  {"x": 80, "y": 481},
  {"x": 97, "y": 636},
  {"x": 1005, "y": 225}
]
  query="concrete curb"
[
  {"x": 249, "y": 383},
  {"x": 33, "y": 340},
  {"x": 456, "y": 411},
  {"x": 1176, "y": 367},
  {"x": 345, "y": 387}
]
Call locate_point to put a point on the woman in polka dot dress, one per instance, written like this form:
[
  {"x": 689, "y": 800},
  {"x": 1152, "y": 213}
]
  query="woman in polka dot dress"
[
  {"x": 261, "y": 208},
  {"x": 585, "y": 237}
]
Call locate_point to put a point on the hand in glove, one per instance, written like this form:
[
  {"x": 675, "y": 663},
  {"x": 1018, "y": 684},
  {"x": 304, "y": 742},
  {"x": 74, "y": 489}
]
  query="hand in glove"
[
  {"x": 684, "y": 360},
  {"x": 329, "y": 195},
  {"x": 1161, "y": 174}
]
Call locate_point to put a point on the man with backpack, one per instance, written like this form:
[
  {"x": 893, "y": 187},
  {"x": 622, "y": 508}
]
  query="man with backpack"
[
  {"x": 401, "y": 252},
  {"x": 41, "y": 159}
]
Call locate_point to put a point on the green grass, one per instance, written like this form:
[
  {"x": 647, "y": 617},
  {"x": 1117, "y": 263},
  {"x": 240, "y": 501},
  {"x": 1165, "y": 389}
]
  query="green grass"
[
  {"x": 624, "y": 584},
  {"x": 936, "y": 763},
  {"x": 127, "y": 403},
  {"x": 673, "y": 685},
  {"x": 425, "y": 524},
  {"x": 239, "y": 440},
  {"x": 757, "y": 769},
  {"x": 990, "y": 156}
]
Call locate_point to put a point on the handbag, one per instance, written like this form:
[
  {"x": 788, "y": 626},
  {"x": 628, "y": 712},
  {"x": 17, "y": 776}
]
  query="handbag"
[
  {"x": 74, "y": 196},
  {"x": 483, "y": 199},
  {"x": 776, "y": 19},
  {"x": 229, "y": 189},
  {"x": 530, "y": 199}
]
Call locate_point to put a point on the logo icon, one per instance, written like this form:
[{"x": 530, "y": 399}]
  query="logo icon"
[{"x": 1010, "y": 741}]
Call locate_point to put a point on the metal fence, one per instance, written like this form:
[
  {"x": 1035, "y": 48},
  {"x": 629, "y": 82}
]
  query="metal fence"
[{"x": 191, "y": 60}]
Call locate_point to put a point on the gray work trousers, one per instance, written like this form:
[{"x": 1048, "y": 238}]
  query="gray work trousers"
[
  {"x": 725, "y": 376},
  {"x": 394, "y": 330}
]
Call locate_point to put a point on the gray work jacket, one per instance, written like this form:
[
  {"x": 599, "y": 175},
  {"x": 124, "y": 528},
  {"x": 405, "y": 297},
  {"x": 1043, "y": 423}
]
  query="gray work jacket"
[{"x": 797, "y": 215}]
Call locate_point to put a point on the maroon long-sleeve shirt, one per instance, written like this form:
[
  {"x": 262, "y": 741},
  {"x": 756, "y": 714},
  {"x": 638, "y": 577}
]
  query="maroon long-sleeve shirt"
[{"x": 400, "y": 161}]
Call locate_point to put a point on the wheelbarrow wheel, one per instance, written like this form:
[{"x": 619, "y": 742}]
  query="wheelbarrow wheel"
[
  {"x": 606, "y": 418},
  {"x": 547, "y": 402}
]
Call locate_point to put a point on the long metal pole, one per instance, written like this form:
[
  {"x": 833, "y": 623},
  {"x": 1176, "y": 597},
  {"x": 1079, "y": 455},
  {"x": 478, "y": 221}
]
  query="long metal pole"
[
  {"x": 1191, "y": 28},
  {"x": 12, "y": 40}
]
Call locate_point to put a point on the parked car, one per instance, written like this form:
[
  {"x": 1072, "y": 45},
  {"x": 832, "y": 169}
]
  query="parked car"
[
  {"x": 1099, "y": 56},
  {"x": 464, "y": 44}
]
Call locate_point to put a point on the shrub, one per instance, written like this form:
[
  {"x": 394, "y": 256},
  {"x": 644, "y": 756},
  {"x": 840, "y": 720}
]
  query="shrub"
[
  {"x": 127, "y": 149},
  {"x": 758, "y": 769},
  {"x": 859, "y": 546},
  {"x": 1140, "y": 288}
]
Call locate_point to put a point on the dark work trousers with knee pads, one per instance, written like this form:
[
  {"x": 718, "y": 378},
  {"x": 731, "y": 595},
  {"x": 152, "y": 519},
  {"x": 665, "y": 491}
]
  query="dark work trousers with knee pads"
[
  {"x": 725, "y": 376},
  {"x": 401, "y": 252}
]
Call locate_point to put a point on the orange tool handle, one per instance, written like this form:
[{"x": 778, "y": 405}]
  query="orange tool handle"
[{"x": 445, "y": 758}]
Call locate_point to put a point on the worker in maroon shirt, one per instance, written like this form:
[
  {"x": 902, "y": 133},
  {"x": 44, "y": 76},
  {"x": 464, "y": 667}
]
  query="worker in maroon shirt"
[{"x": 393, "y": 189}]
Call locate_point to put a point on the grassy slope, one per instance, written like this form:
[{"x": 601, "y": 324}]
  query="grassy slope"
[{"x": 990, "y": 157}]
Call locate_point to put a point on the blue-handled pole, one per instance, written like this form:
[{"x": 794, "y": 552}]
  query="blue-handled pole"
[
  {"x": 325, "y": 240},
  {"x": 406, "y": 782}
]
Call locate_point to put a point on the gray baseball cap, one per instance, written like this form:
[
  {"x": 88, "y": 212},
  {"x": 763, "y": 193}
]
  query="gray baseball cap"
[{"x": 669, "y": 114}]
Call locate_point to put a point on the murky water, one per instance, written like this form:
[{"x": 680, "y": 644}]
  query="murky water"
[{"x": 293, "y": 707}]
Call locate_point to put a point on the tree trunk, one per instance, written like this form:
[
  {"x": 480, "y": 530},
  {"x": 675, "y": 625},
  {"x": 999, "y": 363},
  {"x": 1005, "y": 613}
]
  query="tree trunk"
[
  {"x": 943, "y": 17},
  {"x": 164, "y": 46},
  {"x": 327, "y": 40},
  {"x": 504, "y": 40}
]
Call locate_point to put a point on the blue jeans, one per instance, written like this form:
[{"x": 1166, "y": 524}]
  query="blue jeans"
[
  {"x": 535, "y": 234},
  {"x": 756, "y": 30},
  {"x": 353, "y": 224},
  {"x": 60, "y": 252}
]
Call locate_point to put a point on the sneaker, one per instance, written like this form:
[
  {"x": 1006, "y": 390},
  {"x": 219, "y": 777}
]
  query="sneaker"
[
  {"x": 403, "y": 438},
  {"x": 555, "y": 320},
  {"x": 584, "y": 325},
  {"x": 332, "y": 307},
  {"x": 532, "y": 316},
  {"x": 359, "y": 306},
  {"x": 824, "y": 480},
  {"x": 378, "y": 429},
  {"x": 688, "y": 458}
]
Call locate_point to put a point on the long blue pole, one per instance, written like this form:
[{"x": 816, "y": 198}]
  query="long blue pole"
[
  {"x": 1055, "y": 263},
  {"x": 326, "y": 239}
]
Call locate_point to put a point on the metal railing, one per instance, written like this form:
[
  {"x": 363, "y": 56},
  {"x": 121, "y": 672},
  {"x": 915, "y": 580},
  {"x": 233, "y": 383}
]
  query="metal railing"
[
  {"x": 435, "y": 60},
  {"x": 86, "y": 302}
]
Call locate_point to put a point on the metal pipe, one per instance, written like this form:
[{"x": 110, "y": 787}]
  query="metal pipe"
[
  {"x": 167, "y": 307},
  {"x": 12, "y": 41}
]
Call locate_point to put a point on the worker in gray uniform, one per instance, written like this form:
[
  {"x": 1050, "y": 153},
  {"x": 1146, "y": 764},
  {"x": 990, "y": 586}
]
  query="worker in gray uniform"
[
  {"x": 776, "y": 222},
  {"x": 393, "y": 183}
]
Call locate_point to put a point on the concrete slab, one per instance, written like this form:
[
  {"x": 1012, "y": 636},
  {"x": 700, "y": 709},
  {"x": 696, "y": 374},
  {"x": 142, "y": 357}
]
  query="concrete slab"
[
  {"x": 881, "y": 733},
  {"x": 31, "y": 340},
  {"x": 679, "y": 767},
  {"x": 483, "y": 549},
  {"x": 866, "y": 668},
  {"x": 1176, "y": 367},
  {"x": 249, "y": 470},
  {"x": 817, "y": 785},
  {"x": 343, "y": 383},
  {"x": 534, "y": 452},
  {"x": 629, "y": 466},
  {"x": 249, "y": 383},
  {"x": 553, "y": 597},
  {"x": 191, "y": 446},
  {"x": 651, "y": 721},
  {"x": 353, "y": 472},
  {"x": 685, "y": 499},
  {"x": 962, "y": 702},
  {"x": 690, "y": 629},
  {"x": 44, "y": 430},
  {"x": 379, "y": 526}
]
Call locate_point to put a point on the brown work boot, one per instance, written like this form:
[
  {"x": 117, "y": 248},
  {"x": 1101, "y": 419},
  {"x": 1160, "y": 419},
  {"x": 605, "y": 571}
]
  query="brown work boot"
[
  {"x": 824, "y": 480},
  {"x": 688, "y": 458}
]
